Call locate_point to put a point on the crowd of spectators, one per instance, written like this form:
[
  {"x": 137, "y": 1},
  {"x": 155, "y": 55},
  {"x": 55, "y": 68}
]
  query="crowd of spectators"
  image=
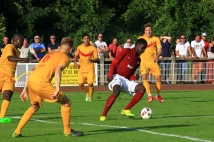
[{"x": 182, "y": 49}]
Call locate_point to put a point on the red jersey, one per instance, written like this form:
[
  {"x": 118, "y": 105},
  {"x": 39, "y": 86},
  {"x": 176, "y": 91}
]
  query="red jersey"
[
  {"x": 206, "y": 44},
  {"x": 125, "y": 64},
  {"x": 115, "y": 49}
]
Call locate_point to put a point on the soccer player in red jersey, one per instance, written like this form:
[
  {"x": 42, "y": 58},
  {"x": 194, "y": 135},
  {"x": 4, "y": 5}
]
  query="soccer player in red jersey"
[{"x": 121, "y": 73}]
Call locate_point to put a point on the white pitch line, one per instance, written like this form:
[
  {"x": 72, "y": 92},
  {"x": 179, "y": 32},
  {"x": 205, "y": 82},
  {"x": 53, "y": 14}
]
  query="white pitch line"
[{"x": 124, "y": 127}]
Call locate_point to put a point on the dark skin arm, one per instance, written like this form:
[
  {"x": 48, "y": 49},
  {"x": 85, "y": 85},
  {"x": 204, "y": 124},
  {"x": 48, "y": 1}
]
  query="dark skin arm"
[
  {"x": 15, "y": 59},
  {"x": 94, "y": 60}
]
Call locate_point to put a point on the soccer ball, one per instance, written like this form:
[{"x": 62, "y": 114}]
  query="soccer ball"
[{"x": 146, "y": 113}]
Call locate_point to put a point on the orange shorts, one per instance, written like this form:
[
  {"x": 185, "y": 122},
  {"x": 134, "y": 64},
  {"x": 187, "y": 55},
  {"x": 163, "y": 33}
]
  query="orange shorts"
[
  {"x": 145, "y": 67},
  {"x": 42, "y": 91},
  {"x": 86, "y": 77},
  {"x": 7, "y": 83}
]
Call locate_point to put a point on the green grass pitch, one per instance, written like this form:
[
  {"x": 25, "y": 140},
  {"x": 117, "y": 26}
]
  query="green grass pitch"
[{"x": 184, "y": 116}]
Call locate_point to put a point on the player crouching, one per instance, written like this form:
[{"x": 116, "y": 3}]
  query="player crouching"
[
  {"x": 121, "y": 71},
  {"x": 40, "y": 88}
]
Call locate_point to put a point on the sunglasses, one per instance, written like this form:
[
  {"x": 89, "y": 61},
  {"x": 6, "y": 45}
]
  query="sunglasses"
[
  {"x": 36, "y": 38},
  {"x": 100, "y": 36},
  {"x": 183, "y": 38},
  {"x": 53, "y": 38},
  {"x": 128, "y": 41}
]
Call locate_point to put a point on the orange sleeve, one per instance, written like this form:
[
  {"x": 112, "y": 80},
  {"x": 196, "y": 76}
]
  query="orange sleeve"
[
  {"x": 65, "y": 61},
  {"x": 77, "y": 51},
  {"x": 95, "y": 53},
  {"x": 9, "y": 50}
]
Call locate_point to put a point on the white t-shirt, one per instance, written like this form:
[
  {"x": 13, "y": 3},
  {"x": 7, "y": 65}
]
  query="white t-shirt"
[
  {"x": 182, "y": 48},
  {"x": 24, "y": 51},
  {"x": 198, "y": 46},
  {"x": 102, "y": 45},
  {"x": 127, "y": 46}
]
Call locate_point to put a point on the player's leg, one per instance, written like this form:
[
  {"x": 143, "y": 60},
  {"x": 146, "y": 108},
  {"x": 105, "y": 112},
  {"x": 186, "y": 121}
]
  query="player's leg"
[
  {"x": 7, "y": 91},
  {"x": 137, "y": 91},
  {"x": 114, "y": 86},
  {"x": 91, "y": 80},
  {"x": 65, "y": 113},
  {"x": 35, "y": 101},
  {"x": 156, "y": 72},
  {"x": 25, "y": 118},
  {"x": 81, "y": 80},
  {"x": 144, "y": 73}
]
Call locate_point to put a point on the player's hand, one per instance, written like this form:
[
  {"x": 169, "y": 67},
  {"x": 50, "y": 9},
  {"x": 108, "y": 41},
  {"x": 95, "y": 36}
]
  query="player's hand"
[
  {"x": 55, "y": 95},
  {"x": 109, "y": 78},
  {"x": 24, "y": 95},
  {"x": 156, "y": 59},
  {"x": 76, "y": 65}
]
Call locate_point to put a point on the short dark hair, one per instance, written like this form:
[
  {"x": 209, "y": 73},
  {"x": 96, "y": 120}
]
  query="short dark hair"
[
  {"x": 85, "y": 34},
  {"x": 143, "y": 42}
]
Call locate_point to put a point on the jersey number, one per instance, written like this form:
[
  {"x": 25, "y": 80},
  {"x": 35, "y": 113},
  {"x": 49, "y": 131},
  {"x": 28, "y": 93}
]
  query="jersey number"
[{"x": 46, "y": 58}]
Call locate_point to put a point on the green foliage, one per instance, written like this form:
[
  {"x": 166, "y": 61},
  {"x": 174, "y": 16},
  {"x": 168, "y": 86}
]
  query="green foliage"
[
  {"x": 2, "y": 26},
  {"x": 114, "y": 18}
]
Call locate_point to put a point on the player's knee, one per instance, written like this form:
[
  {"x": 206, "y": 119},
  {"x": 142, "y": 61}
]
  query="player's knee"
[
  {"x": 7, "y": 95},
  {"x": 116, "y": 90},
  {"x": 144, "y": 77},
  {"x": 158, "y": 78},
  {"x": 90, "y": 85},
  {"x": 67, "y": 104},
  {"x": 81, "y": 85},
  {"x": 140, "y": 88},
  {"x": 35, "y": 107}
]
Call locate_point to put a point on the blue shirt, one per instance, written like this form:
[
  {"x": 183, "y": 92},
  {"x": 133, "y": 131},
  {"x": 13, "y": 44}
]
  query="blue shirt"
[
  {"x": 39, "y": 46},
  {"x": 165, "y": 49}
]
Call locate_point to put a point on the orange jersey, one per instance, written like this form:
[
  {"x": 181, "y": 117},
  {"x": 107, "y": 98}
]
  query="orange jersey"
[
  {"x": 152, "y": 44},
  {"x": 86, "y": 53},
  {"x": 45, "y": 69},
  {"x": 8, "y": 67}
]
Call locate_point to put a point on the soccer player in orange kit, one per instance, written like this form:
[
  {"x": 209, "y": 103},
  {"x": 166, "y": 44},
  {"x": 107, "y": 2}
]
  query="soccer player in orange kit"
[
  {"x": 40, "y": 88},
  {"x": 8, "y": 62}
]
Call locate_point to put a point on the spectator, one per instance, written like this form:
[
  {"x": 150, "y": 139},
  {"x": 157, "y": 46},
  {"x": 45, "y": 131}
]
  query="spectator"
[
  {"x": 5, "y": 42},
  {"x": 53, "y": 45},
  {"x": 210, "y": 63},
  {"x": 204, "y": 38},
  {"x": 129, "y": 44},
  {"x": 38, "y": 47},
  {"x": 101, "y": 45},
  {"x": 198, "y": 51},
  {"x": 165, "y": 64},
  {"x": 182, "y": 52},
  {"x": 26, "y": 49},
  {"x": 115, "y": 48},
  {"x": 177, "y": 41}
]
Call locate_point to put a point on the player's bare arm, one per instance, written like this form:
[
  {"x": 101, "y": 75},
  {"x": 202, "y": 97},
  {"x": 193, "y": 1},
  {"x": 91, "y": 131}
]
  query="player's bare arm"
[
  {"x": 75, "y": 62},
  {"x": 159, "y": 52},
  {"x": 94, "y": 60},
  {"x": 58, "y": 74},
  {"x": 16, "y": 59},
  {"x": 24, "y": 94}
]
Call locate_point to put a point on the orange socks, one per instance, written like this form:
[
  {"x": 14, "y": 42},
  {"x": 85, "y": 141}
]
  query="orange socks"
[
  {"x": 65, "y": 113},
  {"x": 158, "y": 87},
  {"x": 147, "y": 86},
  {"x": 25, "y": 118},
  {"x": 91, "y": 92},
  {"x": 4, "y": 107}
]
